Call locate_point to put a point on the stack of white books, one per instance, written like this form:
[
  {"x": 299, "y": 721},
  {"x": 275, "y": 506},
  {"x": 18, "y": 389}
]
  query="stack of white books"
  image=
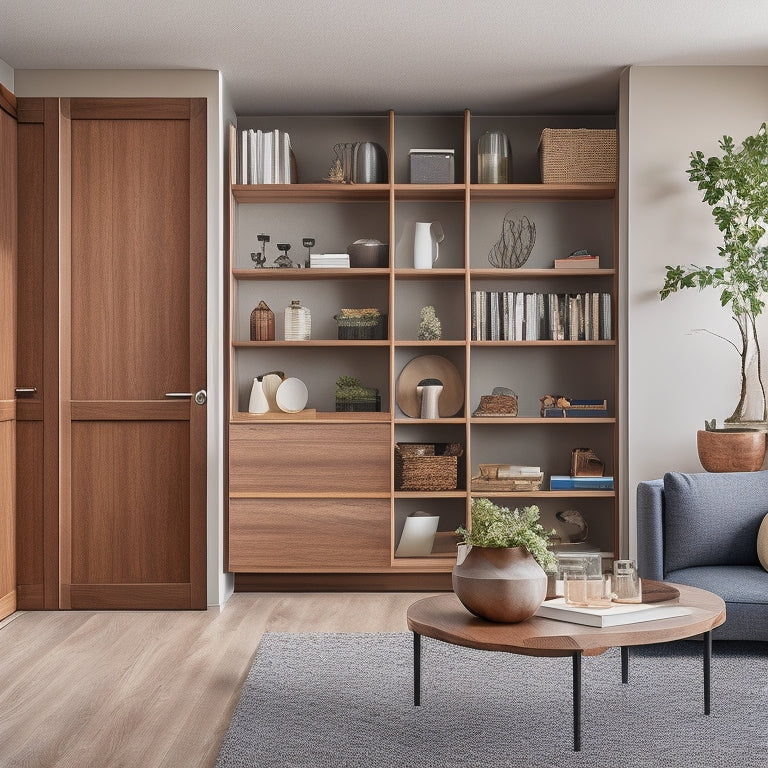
[
  {"x": 264, "y": 157},
  {"x": 329, "y": 260}
]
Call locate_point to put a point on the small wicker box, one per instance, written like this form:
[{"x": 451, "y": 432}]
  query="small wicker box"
[
  {"x": 416, "y": 471},
  {"x": 577, "y": 155}
]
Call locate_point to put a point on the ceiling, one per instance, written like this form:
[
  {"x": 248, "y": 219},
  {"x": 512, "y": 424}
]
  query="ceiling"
[{"x": 303, "y": 56}]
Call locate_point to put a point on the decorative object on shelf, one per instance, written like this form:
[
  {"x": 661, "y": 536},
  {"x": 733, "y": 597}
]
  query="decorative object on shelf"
[
  {"x": 369, "y": 163},
  {"x": 432, "y": 467},
  {"x": 427, "y": 237},
  {"x": 732, "y": 449},
  {"x": 503, "y": 576},
  {"x": 514, "y": 246},
  {"x": 581, "y": 259},
  {"x": 266, "y": 157},
  {"x": 735, "y": 184},
  {"x": 292, "y": 395},
  {"x": 501, "y": 402},
  {"x": 368, "y": 252},
  {"x": 586, "y": 463},
  {"x": 503, "y": 478},
  {"x": 351, "y": 395},
  {"x": 562, "y": 406},
  {"x": 262, "y": 323},
  {"x": 308, "y": 243},
  {"x": 258, "y": 402},
  {"x": 271, "y": 383},
  {"x": 578, "y": 155},
  {"x": 329, "y": 261},
  {"x": 431, "y": 166},
  {"x": 260, "y": 258},
  {"x": 575, "y": 518},
  {"x": 429, "y": 390},
  {"x": 336, "y": 172},
  {"x": 298, "y": 322},
  {"x": 430, "y": 367},
  {"x": 283, "y": 260},
  {"x": 494, "y": 158},
  {"x": 430, "y": 328},
  {"x": 418, "y": 535},
  {"x": 361, "y": 324}
]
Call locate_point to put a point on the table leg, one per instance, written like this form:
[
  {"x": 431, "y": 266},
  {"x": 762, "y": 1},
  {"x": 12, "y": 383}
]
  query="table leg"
[
  {"x": 707, "y": 670},
  {"x": 624, "y": 664},
  {"x": 416, "y": 669},
  {"x": 577, "y": 701}
]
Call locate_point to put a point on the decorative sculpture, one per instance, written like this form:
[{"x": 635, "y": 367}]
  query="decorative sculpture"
[{"x": 513, "y": 248}]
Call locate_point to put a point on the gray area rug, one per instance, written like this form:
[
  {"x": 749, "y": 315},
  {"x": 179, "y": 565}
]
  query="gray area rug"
[{"x": 346, "y": 700}]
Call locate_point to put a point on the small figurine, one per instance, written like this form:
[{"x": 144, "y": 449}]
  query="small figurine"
[
  {"x": 308, "y": 243},
  {"x": 259, "y": 259},
  {"x": 282, "y": 260}
]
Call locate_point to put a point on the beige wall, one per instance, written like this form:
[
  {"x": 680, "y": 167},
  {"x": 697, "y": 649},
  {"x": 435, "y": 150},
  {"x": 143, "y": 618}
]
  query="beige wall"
[
  {"x": 185, "y": 84},
  {"x": 676, "y": 379},
  {"x": 6, "y": 75}
]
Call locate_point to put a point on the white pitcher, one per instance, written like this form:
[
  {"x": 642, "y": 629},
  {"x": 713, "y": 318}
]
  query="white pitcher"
[
  {"x": 258, "y": 402},
  {"x": 427, "y": 235}
]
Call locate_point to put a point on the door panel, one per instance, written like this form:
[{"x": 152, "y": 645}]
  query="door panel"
[
  {"x": 133, "y": 525},
  {"x": 8, "y": 240}
]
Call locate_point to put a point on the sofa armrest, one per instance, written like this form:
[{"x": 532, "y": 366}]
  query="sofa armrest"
[{"x": 650, "y": 529}]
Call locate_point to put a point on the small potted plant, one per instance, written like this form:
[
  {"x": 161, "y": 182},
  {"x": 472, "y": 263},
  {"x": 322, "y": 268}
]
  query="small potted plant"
[
  {"x": 503, "y": 577},
  {"x": 735, "y": 185}
]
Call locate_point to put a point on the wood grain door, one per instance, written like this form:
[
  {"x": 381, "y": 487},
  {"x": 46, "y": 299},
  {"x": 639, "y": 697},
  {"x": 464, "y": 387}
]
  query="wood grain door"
[
  {"x": 8, "y": 238},
  {"x": 133, "y": 500}
]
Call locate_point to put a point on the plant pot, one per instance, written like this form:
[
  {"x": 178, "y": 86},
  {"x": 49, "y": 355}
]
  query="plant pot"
[
  {"x": 731, "y": 450},
  {"x": 500, "y": 584}
]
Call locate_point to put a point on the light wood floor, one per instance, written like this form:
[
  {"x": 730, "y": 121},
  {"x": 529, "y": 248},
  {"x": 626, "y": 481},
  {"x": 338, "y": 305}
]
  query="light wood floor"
[{"x": 139, "y": 690}]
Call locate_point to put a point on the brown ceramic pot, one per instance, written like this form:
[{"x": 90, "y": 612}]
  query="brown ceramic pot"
[
  {"x": 500, "y": 584},
  {"x": 731, "y": 450}
]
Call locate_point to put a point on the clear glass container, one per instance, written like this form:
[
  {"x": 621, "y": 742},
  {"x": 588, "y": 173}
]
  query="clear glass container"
[
  {"x": 298, "y": 322},
  {"x": 494, "y": 159}
]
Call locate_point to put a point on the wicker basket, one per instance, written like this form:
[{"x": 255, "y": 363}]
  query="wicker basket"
[
  {"x": 577, "y": 155},
  {"x": 367, "y": 326},
  {"x": 416, "y": 471}
]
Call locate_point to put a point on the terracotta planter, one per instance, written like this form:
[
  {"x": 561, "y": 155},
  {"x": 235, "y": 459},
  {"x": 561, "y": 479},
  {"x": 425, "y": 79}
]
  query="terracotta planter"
[
  {"x": 731, "y": 450},
  {"x": 500, "y": 584}
]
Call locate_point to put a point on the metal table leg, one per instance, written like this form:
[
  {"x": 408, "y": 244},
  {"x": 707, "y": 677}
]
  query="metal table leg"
[
  {"x": 416, "y": 669},
  {"x": 624, "y": 664},
  {"x": 577, "y": 701},
  {"x": 707, "y": 670}
]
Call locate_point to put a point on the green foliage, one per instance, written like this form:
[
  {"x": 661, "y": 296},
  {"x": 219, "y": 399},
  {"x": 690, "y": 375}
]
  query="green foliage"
[
  {"x": 735, "y": 185},
  {"x": 494, "y": 526},
  {"x": 350, "y": 388}
]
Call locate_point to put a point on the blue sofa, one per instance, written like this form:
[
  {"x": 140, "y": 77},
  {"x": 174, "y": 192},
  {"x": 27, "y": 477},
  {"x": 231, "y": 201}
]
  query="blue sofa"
[{"x": 701, "y": 529}]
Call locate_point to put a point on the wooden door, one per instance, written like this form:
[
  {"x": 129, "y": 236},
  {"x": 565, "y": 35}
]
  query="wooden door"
[
  {"x": 8, "y": 229},
  {"x": 133, "y": 342}
]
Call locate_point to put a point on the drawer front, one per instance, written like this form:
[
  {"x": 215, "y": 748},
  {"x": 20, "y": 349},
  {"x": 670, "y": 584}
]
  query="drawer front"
[
  {"x": 305, "y": 534},
  {"x": 309, "y": 458}
]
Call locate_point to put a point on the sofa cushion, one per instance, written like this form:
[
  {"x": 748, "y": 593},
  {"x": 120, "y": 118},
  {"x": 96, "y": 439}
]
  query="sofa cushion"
[
  {"x": 713, "y": 518},
  {"x": 762, "y": 543}
]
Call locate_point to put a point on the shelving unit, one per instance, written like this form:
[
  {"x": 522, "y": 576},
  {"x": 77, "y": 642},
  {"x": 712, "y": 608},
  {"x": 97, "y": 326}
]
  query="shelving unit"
[{"x": 316, "y": 496}]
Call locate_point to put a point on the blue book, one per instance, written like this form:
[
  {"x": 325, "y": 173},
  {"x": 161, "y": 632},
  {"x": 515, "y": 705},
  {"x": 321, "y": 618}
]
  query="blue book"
[{"x": 568, "y": 483}]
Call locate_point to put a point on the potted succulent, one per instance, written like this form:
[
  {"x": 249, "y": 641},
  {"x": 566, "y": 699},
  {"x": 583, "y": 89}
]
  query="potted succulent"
[
  {"x": 735, "y": 185},
  {"x": 503, "y": 577}
]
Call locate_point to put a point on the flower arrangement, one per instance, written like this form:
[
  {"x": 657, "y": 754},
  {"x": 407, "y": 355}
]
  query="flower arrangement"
[{"x": 494, "y": 526}]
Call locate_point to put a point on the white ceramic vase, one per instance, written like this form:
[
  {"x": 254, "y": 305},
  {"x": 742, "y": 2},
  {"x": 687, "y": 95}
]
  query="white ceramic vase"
[
  {"x": 425, "y": 245},
  {"x": 258, "y": 402}
]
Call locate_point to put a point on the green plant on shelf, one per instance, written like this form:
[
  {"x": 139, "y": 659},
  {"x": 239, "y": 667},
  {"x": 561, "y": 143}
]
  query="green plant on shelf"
[{"x": 350, "y": 388}]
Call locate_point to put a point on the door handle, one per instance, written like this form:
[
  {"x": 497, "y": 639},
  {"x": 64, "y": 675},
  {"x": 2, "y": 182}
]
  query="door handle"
[
  {"x": 25, "y": 391},
  {"x": 200, "y": 397}
]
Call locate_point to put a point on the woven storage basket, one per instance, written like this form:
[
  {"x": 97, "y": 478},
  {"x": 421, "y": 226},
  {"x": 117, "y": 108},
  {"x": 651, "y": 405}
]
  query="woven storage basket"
[
  {"x": 415, "y": 472},
  {"x": 577, "y": 155}
]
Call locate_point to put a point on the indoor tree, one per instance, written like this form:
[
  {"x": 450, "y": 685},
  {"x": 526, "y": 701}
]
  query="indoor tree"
[{"x": 735, "y": 185}]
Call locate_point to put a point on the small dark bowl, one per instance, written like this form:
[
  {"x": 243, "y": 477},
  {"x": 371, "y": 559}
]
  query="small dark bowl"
[{"x": 368, "y": 253}]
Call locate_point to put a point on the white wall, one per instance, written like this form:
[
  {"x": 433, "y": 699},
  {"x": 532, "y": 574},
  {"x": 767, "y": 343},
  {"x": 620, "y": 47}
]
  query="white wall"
[
  {"x": 676, "y": 380},
  {"x": 180, "y": 84},
  {"x": 6, "y": 75}
]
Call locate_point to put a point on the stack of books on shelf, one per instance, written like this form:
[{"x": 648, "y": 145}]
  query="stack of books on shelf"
[
  {"x": 329, "y": 260},
  {"x": 264, "y": 157},
  {"x": 523, "y": 316},
  {"x": 507, "y": 477},
  {"x": 572, "y": 408},
  {"x": 578, "y": 260},
  {"x": 580, "y": 483}
]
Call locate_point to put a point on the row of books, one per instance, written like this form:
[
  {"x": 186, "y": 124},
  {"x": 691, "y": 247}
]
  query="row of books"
[
  {"x": 264, "y": 157},
  {"x": 580, "y": 483},
  {"x": 523, "y": 316}
]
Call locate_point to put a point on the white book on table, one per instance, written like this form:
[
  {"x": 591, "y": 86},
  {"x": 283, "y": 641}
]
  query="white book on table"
[{"x": 617, "y": 614}]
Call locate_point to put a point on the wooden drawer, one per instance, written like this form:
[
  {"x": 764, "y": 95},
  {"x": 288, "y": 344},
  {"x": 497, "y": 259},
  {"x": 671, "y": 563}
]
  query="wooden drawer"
[
  {"x": 309, "y": 458},
  {"x": 308, "y": 534}
]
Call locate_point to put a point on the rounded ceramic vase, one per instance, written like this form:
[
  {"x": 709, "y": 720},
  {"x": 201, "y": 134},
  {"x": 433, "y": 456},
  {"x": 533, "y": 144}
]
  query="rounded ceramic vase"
[
  {"x": 731, "y": 450},
  {"x": 500, "y": 584}
]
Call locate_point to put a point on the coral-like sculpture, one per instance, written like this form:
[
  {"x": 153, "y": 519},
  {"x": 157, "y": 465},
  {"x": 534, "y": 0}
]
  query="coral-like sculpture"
[{"x": 430, "y": 328}]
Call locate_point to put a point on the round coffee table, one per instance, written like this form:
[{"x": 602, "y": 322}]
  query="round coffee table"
[{"x": 444, "y": 618}]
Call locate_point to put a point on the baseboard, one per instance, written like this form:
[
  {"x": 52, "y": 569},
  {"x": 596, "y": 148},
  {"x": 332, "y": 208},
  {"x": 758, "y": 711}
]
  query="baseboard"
[{"x": 342, "y": 582}]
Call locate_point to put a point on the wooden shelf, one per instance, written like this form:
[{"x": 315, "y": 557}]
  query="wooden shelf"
[
  {"x": 494, "y": 273},
  {"x": 355, "y": 273},
  {"x": 541, "y": 192},
  {"x": 541, "y": 421},
  {"x": 545, "y": 494},
  {"x": 544, "y": 343},
  {"x": 310, "y": 193},
  {"x": 402, "y": 273},
  {"x": 331, "y": 417},
  {"x": 312, "y": 343}
]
